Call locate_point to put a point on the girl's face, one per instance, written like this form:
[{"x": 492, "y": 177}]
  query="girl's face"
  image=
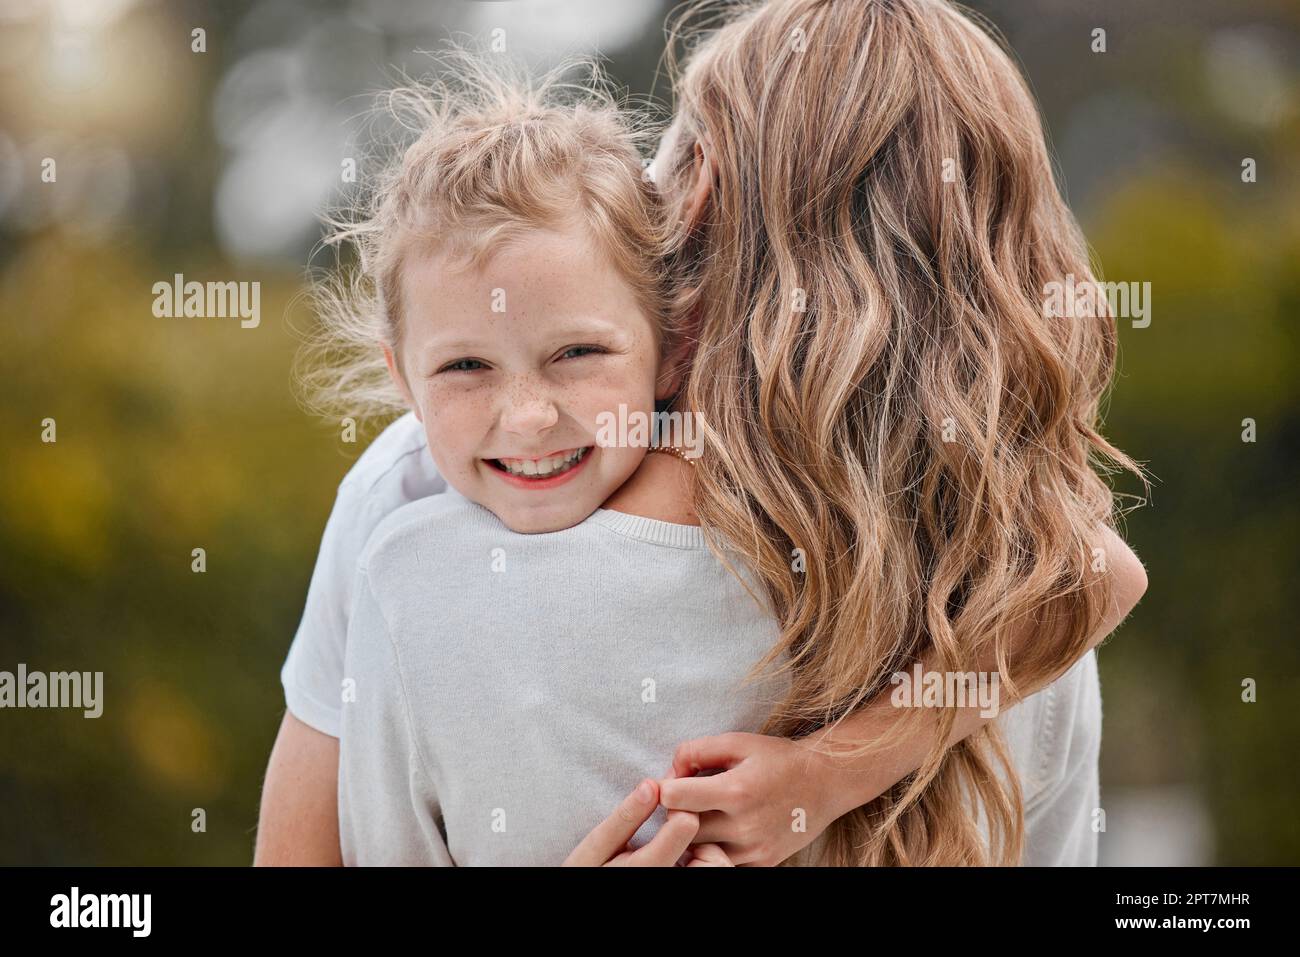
[{"x": 512, "y": 367}]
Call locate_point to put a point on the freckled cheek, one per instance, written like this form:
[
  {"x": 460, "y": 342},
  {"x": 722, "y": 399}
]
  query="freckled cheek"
[
  {"x": 454, "y": 421},
  {"x": 627, "y": 382}
]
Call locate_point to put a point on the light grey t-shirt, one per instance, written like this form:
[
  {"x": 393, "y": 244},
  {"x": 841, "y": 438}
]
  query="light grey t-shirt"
[
  {"x": 1054, "y": 735},
  {"x": 394, "y": 470},
  {"x": 1054, "y": 738},
  {"x": 512, "y": 689}
]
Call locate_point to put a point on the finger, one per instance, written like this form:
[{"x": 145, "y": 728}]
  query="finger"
[
  {"x": 709, "y": 855},
  {"x": 724, "y": 830},
  {"x": 740, "y": 855},
  {"x": 718, "y": 751},
  {"x": 666, "y": 847},
  {"x": 715, "y": 792},
  {"x": 716, "y": 827},
  {"x": 611, "y": 835}
]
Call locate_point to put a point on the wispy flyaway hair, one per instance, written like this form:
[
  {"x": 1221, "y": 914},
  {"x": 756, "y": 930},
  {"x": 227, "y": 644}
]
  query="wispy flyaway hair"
[{"x": 473, "y": 158}]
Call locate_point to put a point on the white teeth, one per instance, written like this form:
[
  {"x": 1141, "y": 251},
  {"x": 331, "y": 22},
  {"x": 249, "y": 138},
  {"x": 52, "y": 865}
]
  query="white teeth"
[{"x": 543, "y": 467}]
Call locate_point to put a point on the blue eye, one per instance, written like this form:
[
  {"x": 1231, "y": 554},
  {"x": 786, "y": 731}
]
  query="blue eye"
[
  {"x": 460, "y": 365},
  {"x": 584, "y": 350}
]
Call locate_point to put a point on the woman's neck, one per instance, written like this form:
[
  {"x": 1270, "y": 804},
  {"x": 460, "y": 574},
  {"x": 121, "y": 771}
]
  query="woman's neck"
[{"x": 660, "y": 489}]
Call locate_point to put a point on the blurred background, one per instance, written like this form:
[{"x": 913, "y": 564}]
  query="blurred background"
[{"x": 176, "y": 434}]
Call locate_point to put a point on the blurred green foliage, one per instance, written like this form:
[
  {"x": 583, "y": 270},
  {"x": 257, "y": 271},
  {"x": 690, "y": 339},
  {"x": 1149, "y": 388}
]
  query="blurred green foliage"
[{"x": 175, "y": 434}]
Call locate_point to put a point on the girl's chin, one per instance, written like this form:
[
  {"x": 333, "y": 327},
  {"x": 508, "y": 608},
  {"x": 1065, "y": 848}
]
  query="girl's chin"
[{"x": 534, "y": 521}]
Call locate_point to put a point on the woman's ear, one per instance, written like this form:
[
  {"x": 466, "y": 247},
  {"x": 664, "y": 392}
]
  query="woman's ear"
[
  {"x": 703, "y": 176},
  {"x": 395, "y": 373},
  {"x": 676, "y": 363},
  {"x": 668, "y": 383}
]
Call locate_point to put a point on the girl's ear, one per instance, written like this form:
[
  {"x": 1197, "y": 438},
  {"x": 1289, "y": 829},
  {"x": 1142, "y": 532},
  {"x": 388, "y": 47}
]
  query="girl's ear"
[{"x": 395, "y": 373}]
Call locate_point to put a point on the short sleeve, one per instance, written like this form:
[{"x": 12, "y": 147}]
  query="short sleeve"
[
  {"x": 388, "y": 810},
  {"x": 313, "y": 671},
  {"x": 1061, "y": 819},
  {"x": 395, "y": 470}
]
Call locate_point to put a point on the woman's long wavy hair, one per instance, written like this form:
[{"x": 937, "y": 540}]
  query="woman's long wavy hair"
[{"x": 879, "y": 384}]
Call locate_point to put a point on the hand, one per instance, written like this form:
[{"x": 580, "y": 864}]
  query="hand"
[
  {"x": 752, "y": 809},
  {"x": 606, "y": 845},
  {"x": 707, "y": 855}
]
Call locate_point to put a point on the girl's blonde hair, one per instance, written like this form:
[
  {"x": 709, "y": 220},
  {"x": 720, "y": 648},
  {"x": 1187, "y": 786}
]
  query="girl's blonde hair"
[
  {"x": 877, "y": 382},
  {"x": 467, "y": 160}
]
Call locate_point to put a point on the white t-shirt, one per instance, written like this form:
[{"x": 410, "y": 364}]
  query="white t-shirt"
[
  {"x": 1054, "y": 736},
  {"x": 511, "y": 689},
  {"x": 396, "y": 469}
]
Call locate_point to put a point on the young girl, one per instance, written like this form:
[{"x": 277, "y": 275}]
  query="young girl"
[
  {"x": 831, "y": 496},
  {"x": 494, "y": 715}
]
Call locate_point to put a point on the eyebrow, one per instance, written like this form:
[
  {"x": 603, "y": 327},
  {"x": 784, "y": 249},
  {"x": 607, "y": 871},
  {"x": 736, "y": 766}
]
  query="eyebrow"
[{"x": 577, "y": 330}]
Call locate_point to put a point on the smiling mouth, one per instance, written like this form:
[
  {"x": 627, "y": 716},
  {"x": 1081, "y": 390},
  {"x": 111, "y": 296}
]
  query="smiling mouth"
[{"x": 544, "y": 468}]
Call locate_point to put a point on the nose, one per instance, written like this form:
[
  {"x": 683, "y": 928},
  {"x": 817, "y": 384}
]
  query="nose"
[{"x": 528, "y": 409}]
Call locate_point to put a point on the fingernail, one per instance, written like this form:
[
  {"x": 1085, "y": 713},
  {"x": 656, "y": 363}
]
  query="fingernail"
[{"x": 644, "y": 792}]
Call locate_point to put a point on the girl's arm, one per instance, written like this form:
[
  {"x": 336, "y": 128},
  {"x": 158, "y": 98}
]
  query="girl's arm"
[{"x": 299, "y": 823}]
